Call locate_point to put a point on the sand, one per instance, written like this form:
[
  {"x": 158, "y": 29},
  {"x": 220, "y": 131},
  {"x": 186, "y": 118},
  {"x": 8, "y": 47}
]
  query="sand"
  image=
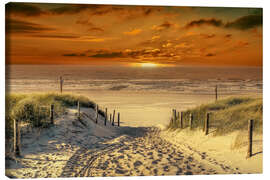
[{"x": 75, "y": 149}]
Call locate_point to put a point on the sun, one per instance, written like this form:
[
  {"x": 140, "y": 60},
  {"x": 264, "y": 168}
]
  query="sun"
[{"x": 149, "y": 65}]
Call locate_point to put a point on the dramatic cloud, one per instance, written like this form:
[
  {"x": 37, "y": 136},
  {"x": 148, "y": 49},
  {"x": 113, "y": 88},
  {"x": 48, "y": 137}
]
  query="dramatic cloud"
[
  {"x": 246, "y": 22},
  {"x": 201, "y": 22},
  {"x": 55, "y": 32},
  {"x": 18, "y": 26},
  {"x": 23, "y": 9}
]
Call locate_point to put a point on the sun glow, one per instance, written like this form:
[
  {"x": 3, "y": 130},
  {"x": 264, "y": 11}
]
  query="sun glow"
[{"x": 148, "y": 65}]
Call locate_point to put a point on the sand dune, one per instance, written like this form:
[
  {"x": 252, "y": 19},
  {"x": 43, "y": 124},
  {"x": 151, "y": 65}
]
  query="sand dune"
[{"x": 76, "y": 149}]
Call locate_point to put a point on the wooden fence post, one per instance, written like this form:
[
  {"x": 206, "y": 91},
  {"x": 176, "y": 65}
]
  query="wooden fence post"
[
  {"x": 174, "y": 116},
  {"x": 190, "y": 120},
  {"x": 61, "y": 84},
  {"x": 181, "y": 120},
  {"x": 17, "y": 138},
  {"x": 96, "y": 113},
  {"x": 52, "y": 114},
  {"x": 250, "y": 133},
  {"x": 206, "y": 124},
  {"x": 172, "y": 119},
  {"x": 110, "y": 117},
  {"x": 106, "y": 113},
  {"x": 113, "y": 117},
  {"x": 118, "y": 119},
  {"x": 79, "y": 110},
  {"x": 216, "y": 92}
]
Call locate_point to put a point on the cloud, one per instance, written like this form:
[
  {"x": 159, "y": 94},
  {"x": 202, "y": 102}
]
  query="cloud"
[
  {"x": 165, "y": 25},
  {"x": 92, "y": 27},
  {"x": 228, "y": 36},
  {"x": 73, "y": 55},
  {"x": 127, "y": 12},
  {"x": 246, "y": 22},
  {"x": 23, "y": 9},
  {"x": 108, "y": 55},
  {"x": 242, "y": 23},
  {"x": 56, "y": 36},
  {"x": 210, "y": 22},
  {"x": 18, "y": 26},
  {"x": 71, "y": 9},
  {"x": 133, "y": 32},
  {"x": 210, "y": 55}
]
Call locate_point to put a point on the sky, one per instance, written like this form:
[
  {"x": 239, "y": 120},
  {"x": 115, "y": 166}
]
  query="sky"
[{"x": 132, "y": 35}]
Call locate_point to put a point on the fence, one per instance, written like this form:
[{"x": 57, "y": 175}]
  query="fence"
[
  {"x": 178, "y": 120},
  {"x": 99, "y": 112},
  {"x": 42, "y": 117}
]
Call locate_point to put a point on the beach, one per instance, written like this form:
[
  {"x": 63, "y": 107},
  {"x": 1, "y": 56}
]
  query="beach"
[{"x": 142, "y": 145}]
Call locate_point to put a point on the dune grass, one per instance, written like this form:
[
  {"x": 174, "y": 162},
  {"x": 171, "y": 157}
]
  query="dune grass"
[
  {"x": 34, "y": 109},
  {"x": 226, "y": 115}
]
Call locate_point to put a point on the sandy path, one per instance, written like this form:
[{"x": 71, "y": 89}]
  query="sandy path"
[
  {"x": 149, "y": 155},
  {"x": 75, "y": 149}
]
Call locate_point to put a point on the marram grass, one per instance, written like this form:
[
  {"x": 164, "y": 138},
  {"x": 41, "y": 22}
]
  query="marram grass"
[
  {"x": 34, "y": 108},
  {"x": 226, "y": 115}
]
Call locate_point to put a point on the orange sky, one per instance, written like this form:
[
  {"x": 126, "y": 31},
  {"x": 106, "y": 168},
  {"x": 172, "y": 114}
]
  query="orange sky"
[{"x": 98, "y": 34}]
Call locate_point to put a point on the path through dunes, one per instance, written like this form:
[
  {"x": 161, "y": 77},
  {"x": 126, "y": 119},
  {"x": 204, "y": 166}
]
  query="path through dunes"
[
  {"x": 141, "y": 156},
  {"x": 75, "y": 149}
]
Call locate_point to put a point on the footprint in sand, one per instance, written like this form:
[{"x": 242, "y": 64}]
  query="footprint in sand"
[
  {"x": 166, "y": 168},
  {"x": 155, "y": 162},
  {"x": 179, "y": 171},
  {"x": 121, "y": 157},
  {"x": 188, "y": 173},
  {"x": 137, "y": 163},
  {"x": 120, "y": 171}
]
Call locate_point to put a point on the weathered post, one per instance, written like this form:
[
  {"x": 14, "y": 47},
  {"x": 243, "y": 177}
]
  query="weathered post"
[
  {"x": 113, "y": 117},
  {"x": 216, "y": 93},
  {"x": 52, "y": 114},
  {"x": 181, "y": 120},
  {"x": 110, "y": 118},
  {"x": 17, "y": 138},
  {"x": 79, "y": 110},
  {"x": 190, "y": 120},
  {"x": 174, "y": 116},
  {"x": 178, "y": 115},
  {"x": 206, "y": 124},
  {"x": 250, "y": 133},
  {"x": 106, "y": 113},
  {"x": 61, "y": 84},
  {"x": 96, "y": 113},
  {"x": 118, "y": 119}
]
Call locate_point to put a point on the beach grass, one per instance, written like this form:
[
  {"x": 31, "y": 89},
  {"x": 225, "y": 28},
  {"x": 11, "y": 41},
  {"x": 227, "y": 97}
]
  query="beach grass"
[
  {"x": 34, "y": 109},
  {"x": 226, "y": 115}
]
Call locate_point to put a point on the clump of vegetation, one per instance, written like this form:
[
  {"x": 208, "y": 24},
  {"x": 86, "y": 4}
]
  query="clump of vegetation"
[
  {"x": 34, "y": 109},
  {"x": 226, "y": 115}
]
